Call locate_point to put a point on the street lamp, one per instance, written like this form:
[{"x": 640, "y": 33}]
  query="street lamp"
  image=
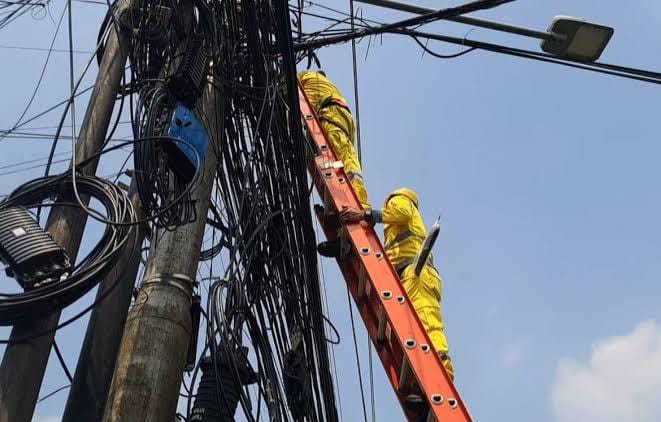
[
  {"x": 577, "y": 39},
  {"x": 567, "y": 37}
]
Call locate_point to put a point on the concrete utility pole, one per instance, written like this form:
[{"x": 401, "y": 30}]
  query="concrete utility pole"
[
  {"x": 152, "y": 356},
  {"x": 24, "y": 363},
  {"x": 96, "y": 363}
]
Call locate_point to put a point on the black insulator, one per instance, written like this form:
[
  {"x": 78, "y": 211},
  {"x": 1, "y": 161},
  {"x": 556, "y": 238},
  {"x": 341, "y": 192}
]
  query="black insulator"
[
  {"x": 189, "y": 71},
  {"x": 218, "y": 395},
  {"x": 297, "y": 383},
  {"x": 195, "y": 314}
]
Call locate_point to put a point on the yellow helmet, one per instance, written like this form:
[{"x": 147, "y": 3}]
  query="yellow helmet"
[
  {"x": 406, "y": 192},
  {"x": 306, "y": 75}
]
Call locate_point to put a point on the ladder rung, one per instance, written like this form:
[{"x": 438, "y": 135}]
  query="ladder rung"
[
  {"x": 404, "y": 375},
  {"x": 383, "y": 323},
  {"x": 328, "y": 200},
  {"x": 362, "y": 283}
]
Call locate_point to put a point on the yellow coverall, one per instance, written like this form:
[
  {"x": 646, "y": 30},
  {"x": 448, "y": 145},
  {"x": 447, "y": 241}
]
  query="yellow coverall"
[
  {"x": 338, "y": 125},
  {"x": 404, "y": 233}
]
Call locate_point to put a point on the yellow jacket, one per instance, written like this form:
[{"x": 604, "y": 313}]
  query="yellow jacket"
[
  {"x": 403, "y": 229},
  {"x": 404, "y": 234},
  {"x": 321, "y": 92},
  {"x": 319, "y": 89}
]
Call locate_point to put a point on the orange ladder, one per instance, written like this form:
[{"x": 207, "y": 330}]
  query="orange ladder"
[{"x": 397, "y": 334}]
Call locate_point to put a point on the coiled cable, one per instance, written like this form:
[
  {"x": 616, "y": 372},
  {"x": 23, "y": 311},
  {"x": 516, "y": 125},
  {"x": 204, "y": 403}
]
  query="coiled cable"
[{"x": 88, "y": 272}]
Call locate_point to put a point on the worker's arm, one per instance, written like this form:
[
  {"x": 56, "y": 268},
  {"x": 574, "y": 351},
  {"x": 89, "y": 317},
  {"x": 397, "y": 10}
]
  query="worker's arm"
[{"x": 398, "y": 210}]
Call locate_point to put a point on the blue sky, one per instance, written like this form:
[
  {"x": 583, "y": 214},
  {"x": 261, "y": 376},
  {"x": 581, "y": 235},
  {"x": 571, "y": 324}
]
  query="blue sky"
[{"x": 546, "y": 179}]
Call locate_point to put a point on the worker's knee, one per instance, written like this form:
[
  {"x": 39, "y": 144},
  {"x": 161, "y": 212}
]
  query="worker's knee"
[
  {"x": 340, "y": 117},
  {"x": 432, "y": 322},
  {"x": 341, "y": 144},
  {"x": 447, "y": 364},
  {"x": 439, "y": 340},
  {"x": 430, "y": 281}
]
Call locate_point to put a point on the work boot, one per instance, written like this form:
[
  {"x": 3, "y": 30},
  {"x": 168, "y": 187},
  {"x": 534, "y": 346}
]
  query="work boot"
[
  {"x": 338, "y": 248},
  {"x": 330, "y": 248},
  {"x": 416, "y": 403},
  {"x": 423, "y": 418}
]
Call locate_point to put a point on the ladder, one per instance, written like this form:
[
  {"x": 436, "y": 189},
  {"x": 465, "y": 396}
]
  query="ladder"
[{"x": 392, "y": 323}]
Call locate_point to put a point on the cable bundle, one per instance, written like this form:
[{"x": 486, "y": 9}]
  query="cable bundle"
[
  {"x": 119, "y": 218},
  {"x": 162, "y": 192},
  {"x": 161, "y": 49},
  {"x": 12, "y": 10},
  {"x": 269, "y": 296}
]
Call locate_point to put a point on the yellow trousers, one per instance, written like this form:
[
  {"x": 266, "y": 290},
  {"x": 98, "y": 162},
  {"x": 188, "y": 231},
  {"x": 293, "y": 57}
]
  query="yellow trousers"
[
  {"x": 424, "y": 293},
  {"x": 338, "y": 125}
]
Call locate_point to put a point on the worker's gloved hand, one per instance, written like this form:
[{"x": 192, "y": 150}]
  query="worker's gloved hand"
[{"x": 351, "y": 215}]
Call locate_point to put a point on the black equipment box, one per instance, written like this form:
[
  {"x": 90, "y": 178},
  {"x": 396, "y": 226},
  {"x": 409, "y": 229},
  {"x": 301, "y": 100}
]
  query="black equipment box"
[{"x": 29, "y": 252}]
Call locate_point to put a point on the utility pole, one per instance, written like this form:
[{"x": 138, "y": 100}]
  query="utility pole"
[
  {"x": 24, "y": 363},
  {"x": 96, "y": 363},
  {"x": 151, "y": 360}
]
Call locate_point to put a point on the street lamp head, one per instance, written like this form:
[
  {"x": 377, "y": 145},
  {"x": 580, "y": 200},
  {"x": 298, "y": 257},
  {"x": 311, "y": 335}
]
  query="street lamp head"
[{"x": 574, "y": 38}]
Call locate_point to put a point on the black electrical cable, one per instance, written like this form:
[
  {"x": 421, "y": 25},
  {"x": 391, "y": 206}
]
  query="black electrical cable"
[
  {"x": 67, "y": 106},
  {"x": 492, "y": 47},
  {"x": 21, "y": 7},
  {"x": 472, "y": 45},
  {"x": 34, "y": 160},
  {"x": 158, "y": 186},
  {"x": 52, "y": 393},
  {"x": 415, "y": 21},
  {"x": 365, "y": 23},
  {"x": 442, "y": 56},
  {"x": 48, "y": 110},
  {"x": 41, "y": 77},
  {"x": 152, "y": 54},
  {"x": 355, "y": 348},
  {"x": 605, "y": 68},
  {"x": 63, "y": 364},
  {"x": 120, "y": 146},
  {"x": 271, "y": 288},
  {"x": 354, "y": 66},
  {"x": 99, "y": 298},
  {"x": 182, "y": 195},
  {"x": 54, "y": 50},
  {"x": 6, "y": 173}
]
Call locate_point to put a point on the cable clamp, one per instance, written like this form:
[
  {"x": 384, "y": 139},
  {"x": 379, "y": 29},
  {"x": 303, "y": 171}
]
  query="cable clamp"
[{"x": 176, "y": 280}]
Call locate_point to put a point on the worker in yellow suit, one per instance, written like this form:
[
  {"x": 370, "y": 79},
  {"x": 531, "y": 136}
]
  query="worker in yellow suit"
[
  {"x": 338, "y": 125},
  {"x": 404, "y": 234}
]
